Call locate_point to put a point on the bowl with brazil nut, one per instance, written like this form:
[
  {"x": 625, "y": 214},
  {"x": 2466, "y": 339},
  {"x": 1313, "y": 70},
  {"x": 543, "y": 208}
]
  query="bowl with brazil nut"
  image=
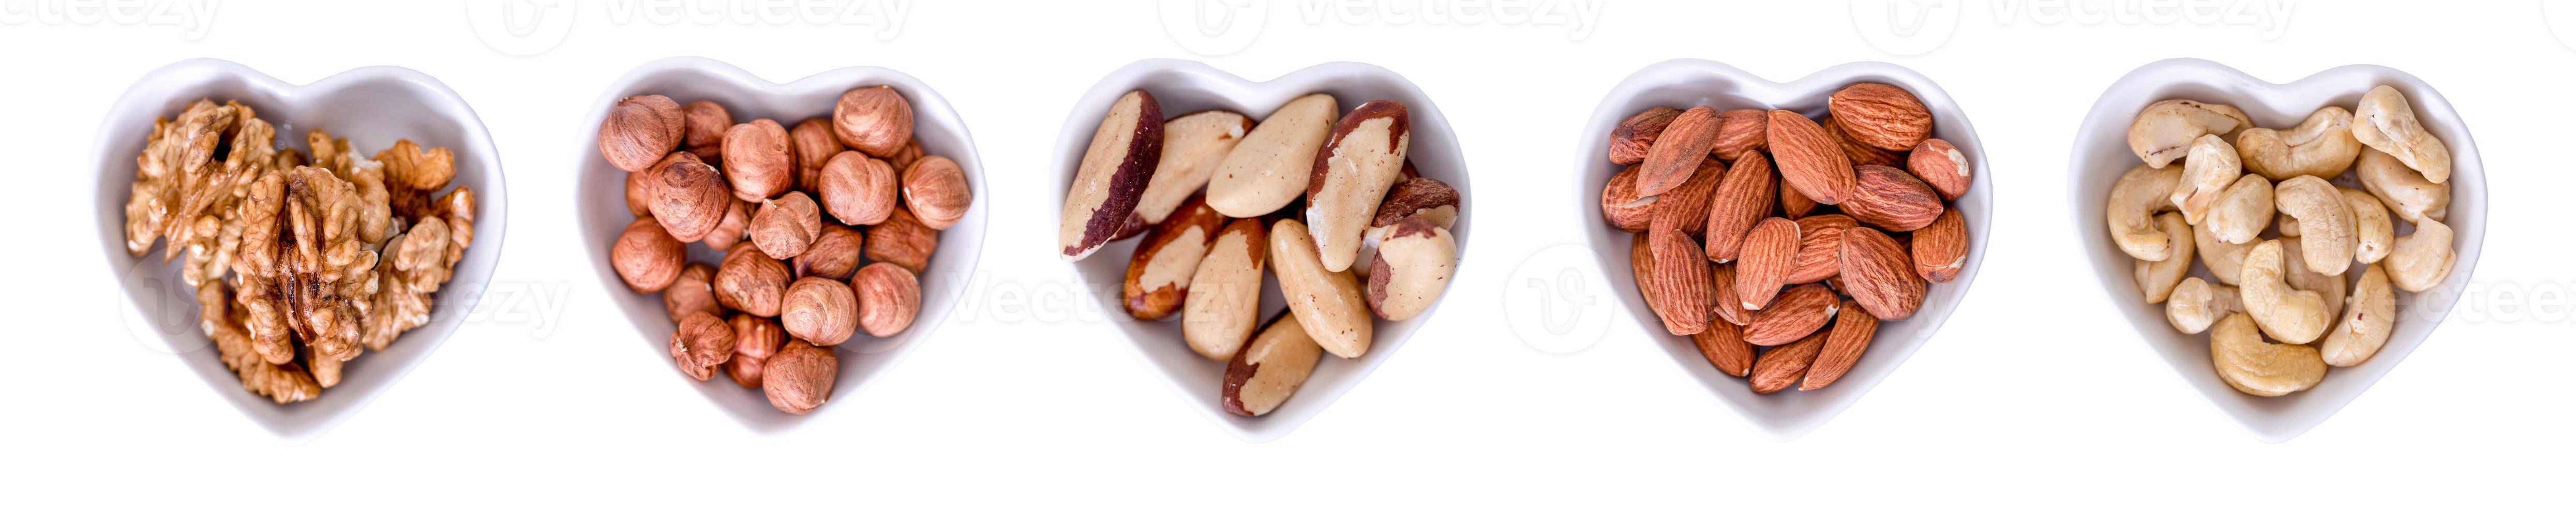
[
  {"x": 314, "y": 242},
  {"x": 780, "y": 244},
  {"x": 2281, "y": 245},
  {"x": 1791, "y": 242},
  {"x": 1288, "y": 235}
]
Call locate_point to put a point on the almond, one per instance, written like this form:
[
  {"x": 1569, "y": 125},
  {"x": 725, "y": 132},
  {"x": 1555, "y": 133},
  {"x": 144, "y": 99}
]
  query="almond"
[
  {"x": 1620, "y": 204},
  {"x": 1636, "y": 135},
  {"x": 1881, "y": 115},
  {"x": 1723, "y": 345},
  {"x": 1820, "y": 243},
  {"x": 1888, "y": 198},
  {"x": 1941, "y": 249},
  {"x": 1641, "y": 267},
  {"x": 1770, "y": 253},
  {"x": 1686, "y": 207},
  {"x": 1941, "y": 165},
  {"x": 1726, "y": 304},
  {"x": 1159, "y": 271},
  {"x": 1800, "y": 310},
  {"x": 1860, "y": 154},
  {"x": 1680, "y": 292},
  {"x": 1678, "y": 150},
  {"x": 1742, "y": 198},
  {"x": 1739, "y": 131},
  {"x": 1782, "y": 365},
  {"x": 1843, "y": 345},
  {"x": 1810, "y": 160},
  {"x": 1796, "y": 205},
  {"x": 1124, "y": 151},
  {"x": 1879, "y": 276}
]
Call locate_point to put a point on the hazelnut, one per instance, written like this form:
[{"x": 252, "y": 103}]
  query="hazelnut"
[
  {"x": 693, "y": 292},
  {"x": 750, "y": 281},
  {"x": 904, "y": 241},
  {"x": 856, "y": 189},
  {"x": 642, "y": 128},
  {"x": 905, "y": 156},
  {"x": 646, "y": 256},
  {"x": 688, "y": 197},
  {"x": 639, "y": 193},
  {"x": 889, "y": 296},
  {"x": 875, "y": 120},
  {"x": 799, "y": 377},
  {"x": 785, "y": 226},
  {"x": 820, "y": 310},
  {"x": 814, "y": 145},
  {"x": 706, "y": 121},
  {"x": 701, "y": 343},
  {"x": 757, "y": 160},
  {"x": 713, "y": 154},
  {"x": 754, "y": 340},
  {"x": 934, "y": 188},
  {"x": 737, "y": 222},
  {"x": 834, "y": 255}
]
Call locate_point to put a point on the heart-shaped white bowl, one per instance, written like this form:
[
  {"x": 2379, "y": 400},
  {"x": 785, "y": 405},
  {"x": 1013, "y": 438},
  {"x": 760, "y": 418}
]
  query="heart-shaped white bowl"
[
  {"x": 1686, "y": 83},
  {"x": 688, "y": 79},
  {"x": 1182, "y": 86},
  {"x": 2102, "y": 154},
  {"x": 372, "y": 106}
]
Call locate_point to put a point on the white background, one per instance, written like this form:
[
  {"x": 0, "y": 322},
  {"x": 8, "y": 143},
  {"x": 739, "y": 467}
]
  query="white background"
[{"x": 2033, "y": 392}]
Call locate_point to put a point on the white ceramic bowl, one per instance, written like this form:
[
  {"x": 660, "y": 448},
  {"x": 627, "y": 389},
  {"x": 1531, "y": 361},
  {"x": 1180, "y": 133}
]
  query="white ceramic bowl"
[
  {"x": 2102, "y": 153},
  {"x": 602, "y": 205},
  {"x": 1183, "y": 86},
  {"x": 1686, "y": 83},
  {"x": 372, "y": 106}
]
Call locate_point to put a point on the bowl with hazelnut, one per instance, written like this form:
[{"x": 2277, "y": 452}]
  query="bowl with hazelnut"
[
  {"x": 437, "y": 176},
  {"x": 1368, "y": 233},
  {"x": 827, "y": 225}
]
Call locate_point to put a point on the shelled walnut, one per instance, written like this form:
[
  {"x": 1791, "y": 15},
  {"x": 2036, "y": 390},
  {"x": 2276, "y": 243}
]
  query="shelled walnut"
[
  {"x": 811, "y": 222},
  {"x": 298, "y": 262}
]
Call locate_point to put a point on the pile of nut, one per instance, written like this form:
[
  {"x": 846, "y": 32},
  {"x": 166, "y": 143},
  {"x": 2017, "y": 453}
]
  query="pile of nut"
[
  {"x": 325, "y": 253},
  {"x": 761, "y": 193},
  {"x": 1854, "y": 214},
  {"x": 1373, "y": 240},
  {"x": 2213, "y": 184}
]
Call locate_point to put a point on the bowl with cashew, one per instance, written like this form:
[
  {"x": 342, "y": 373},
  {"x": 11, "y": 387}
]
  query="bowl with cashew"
[{"x": 2282, "y": 245}]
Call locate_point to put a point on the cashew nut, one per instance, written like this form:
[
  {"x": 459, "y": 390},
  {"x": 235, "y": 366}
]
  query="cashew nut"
[
  {"x": 2242, "y": 211},
  {"x": 2372, "y": 232},
  {"x": 2211, "y": 166},
  {"x": 2196, "y": 304},
  {"x": 2322, "y": 147},
  {"x": 2135, "y": 199},
  {"x": 2248, "y": 364},
  {"x": 2329, "y": 288},
  {"x": 2288, "y": 225},
  {"x": 2225, "y": 260},
  {"x": 2405, "y": 192},
  {"x": 2365, "y": 323},
  {"x": 2287, "y": 314},
  {"x": 2325, "y": 223},
  {"x": 2157, "y": 278},
  {"x": 2385, "y": 121},
  {"x": 2421, "y": 260},
  {"x": 2165, "y": 129}
]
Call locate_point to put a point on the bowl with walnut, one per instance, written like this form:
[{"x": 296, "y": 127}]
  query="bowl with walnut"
[{"x": 779, "y": 245}]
